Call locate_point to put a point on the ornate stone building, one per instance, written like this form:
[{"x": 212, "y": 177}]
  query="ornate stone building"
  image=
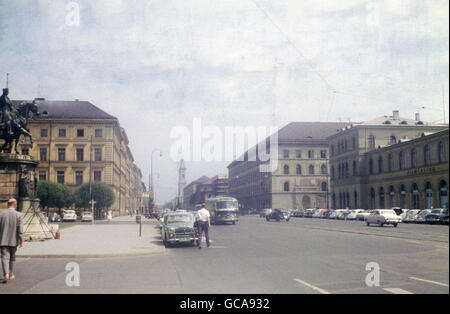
[
  {"x": 301, "y": 179},
  {"x": 355, "y": 159},
  {"x": 69, "y": 134}
]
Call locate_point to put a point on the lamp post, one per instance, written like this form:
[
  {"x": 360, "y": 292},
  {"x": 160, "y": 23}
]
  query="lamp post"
[{"x": 151, "y": 186}]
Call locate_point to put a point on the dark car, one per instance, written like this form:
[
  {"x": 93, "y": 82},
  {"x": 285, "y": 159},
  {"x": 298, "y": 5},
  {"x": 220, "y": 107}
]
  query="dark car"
[
  {"x": 278, "y": 214},
  {"x": 437, "y": 215},
  {"x": 178, "y": 227},
  {"x": 54, "y": 217},
  {"x": 327, "y": 214}
]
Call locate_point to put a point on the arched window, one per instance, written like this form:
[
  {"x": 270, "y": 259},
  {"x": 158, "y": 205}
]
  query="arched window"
[
  {"x": 286, "y": 169},
  {"x": 324, "y": 186},
  {"x": 372, "y": 198},
  {"x": 402, "y": 196},
  {"x": 401, "y": 160},
  {"x": 323, "y": 169},
  {"x": 298, "y": 169},
  {"x": 443, "y": 200},
  {"x": 311, "y": 169},
  {"x": 392, "y": 139},
  {"x": 413, "y": 158},
  {"x": 347, "y": 199},
  {"x": 415, "y": 196},
  {"x": 371, "y": 141},
  {"x": 428, "y": 195},
  {"x": 355, "y": 198},
  {"x": 355, "y": 170},
  {"x": 286, "y": 186},
  {"x": 392, "y": 196},
  {"x": 380, "y": 164},
  {"x": 333, "y": 201},
  {"x": 381, "y": 195},
  {"x": 370, "y": 166},
  {"x": 426, "y": 155}
]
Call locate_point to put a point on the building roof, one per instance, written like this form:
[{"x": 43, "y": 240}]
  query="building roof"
[
  {"x": 62, "y": 109},
  {"x": 201, "y": 180}
]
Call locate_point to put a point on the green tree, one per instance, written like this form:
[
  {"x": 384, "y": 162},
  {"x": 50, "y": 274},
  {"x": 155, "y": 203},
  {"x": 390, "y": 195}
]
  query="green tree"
[
  {"x": 54, "y": 195},
  {"x": 102, "y": 194}
]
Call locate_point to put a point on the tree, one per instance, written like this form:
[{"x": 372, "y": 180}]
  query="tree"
[
  {"x": 54, "y": 195},
  {"x": 102, "y": 194}
]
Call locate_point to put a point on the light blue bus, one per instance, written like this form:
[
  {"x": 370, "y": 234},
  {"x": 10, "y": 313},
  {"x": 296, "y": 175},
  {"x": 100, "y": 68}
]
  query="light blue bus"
[{"x": 223, "y": 209}]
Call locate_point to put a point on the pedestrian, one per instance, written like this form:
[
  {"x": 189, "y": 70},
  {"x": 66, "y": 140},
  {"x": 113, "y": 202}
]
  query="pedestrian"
[
  {"x": 203, "y": 224},
  {"x": 11, "y": 237},
  {"x": 109, "y": 216}
]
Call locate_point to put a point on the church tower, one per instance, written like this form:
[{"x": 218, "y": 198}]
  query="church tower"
[{"x": 181, "y": 183}]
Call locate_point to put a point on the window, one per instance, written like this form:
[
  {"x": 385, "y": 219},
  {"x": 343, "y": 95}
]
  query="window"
[
  {"x": 298, "y": 169},
  {"x": 60, "y": 177},
  {"x": 42, "y": 176},
  {"x": 323, "y": 169},
  {"x": 347, "y": 172},
  {"x": 390, "y": 162},
  {"x": 286, "y": 169},
  {"x": 80, "y": 154},
  {"x": 98, "y": 154},
  {"x": 324, "y": 186},
  {"x": 370, "y": 166},
  {"x": 371, "y": 141},
  {"x": 62, "y": 132},
  {"x": 310, "y": 154},
  {"x": 298, "y": 153},
  {"x": 354, "y": 144},
  {"x": 61, "y": 154},
  {"x": 286, "y": 186},
  {"x": 355, "y": 196},
  {"x": 78, "y": 177},
  {"x": 97, "y": 176},
  {"x": 426, "y": 155},
  {"x": 401, "y": 161},
  {"x": 98, "y": 133},
  {"x": 44, "y": 132},
  {"x": 381, "y": 194},
  {"x": 355, "y": 171},
  {"x": 332, "y": 172},
  {"x": 43, "y": 154},
  {"x": 402, "y": 196},
  {"x": 80, "y": 133},
  {"x": 392, "y": 196},
  {"x": 380, "y": 164},
  {"x": 345, "y": 145},
  {"x": 413, "y": 159},
  {"x": 441, "y": 152},
  {"x": 415, "y": 196},
  {"x": 323, "y": 154},
  {"x": 311, "y": 169},
  {"x": 392, "y": 139},
  {"x": 332, "y": 150}
]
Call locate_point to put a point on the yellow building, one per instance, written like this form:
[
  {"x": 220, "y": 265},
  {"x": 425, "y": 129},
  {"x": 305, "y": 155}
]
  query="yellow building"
[{"x": 68, "y": 135}]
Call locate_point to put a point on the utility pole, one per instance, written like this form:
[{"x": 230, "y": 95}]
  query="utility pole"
[{"x": 90, "y": 182}]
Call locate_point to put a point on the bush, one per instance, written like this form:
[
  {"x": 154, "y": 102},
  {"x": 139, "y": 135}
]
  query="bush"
[{"x": 102, "y": 194}]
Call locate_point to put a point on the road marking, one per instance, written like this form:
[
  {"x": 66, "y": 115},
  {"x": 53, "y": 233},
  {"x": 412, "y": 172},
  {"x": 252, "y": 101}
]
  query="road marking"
[
  {"x": 312, "y": 287},
  {"x": 430, "y": 281},
  {"x": 397, "y": 291}
]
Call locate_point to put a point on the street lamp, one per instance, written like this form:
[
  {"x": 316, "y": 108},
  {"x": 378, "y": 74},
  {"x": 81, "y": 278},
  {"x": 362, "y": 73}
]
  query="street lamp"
[{"x": 151, "y": 187}]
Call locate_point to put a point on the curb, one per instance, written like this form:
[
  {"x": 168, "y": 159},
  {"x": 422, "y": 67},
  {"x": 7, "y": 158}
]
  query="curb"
[{"x": 89, "y": 255}]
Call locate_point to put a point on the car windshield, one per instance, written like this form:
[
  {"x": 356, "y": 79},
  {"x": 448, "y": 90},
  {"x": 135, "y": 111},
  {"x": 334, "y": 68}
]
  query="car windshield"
[
  {"x": 226, "y": 205},
  {"x": 179, "y": 218},
  {"x": 436, "y": 211}
]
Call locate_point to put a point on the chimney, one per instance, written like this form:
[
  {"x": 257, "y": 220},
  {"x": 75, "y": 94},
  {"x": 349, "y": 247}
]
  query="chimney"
[
  {"x": 395, "y": 115},
  {"x": 417, "y": 116}
]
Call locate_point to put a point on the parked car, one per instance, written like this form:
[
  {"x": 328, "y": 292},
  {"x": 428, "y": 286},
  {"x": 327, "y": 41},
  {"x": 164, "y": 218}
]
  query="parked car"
[
  {"x": 363, "y": 215},
  {"x": 318, "y": 213},
  {"x": 383, "y": 217},
  {"x": 69, "y": 215},
  {"x": 265, "y": 212},
  {"x": 278, "y": 214},
  {"x": 327, "y": 214},
  {"x": 87, "y": 216},
  {"x": 178, "y": 227},
  {"x": 436, "y": 216},
  {"x": 421, "y": 216},
  {"x": 353, "y": 214},
  {"x": 54, "y": 217},
  {"x": 411, "y": 215},
  {"x": 336, "y": 213},
  {"x": 342, "y": 215},
  {"x": 308, "y": 213}
]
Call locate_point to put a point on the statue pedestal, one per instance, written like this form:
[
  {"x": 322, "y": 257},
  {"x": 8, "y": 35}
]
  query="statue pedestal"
[{"x": 17, "y": 180}]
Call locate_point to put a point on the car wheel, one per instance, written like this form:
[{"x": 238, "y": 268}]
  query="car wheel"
[
  {"x": 395, "y": 225},
  {"x": 367, "y": 223},
  {"x": 381, "y": 224}
]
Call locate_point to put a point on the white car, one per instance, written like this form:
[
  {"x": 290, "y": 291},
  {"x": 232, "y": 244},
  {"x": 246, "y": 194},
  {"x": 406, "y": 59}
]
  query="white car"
[
  {"x": 354, "y": 213},
  {"x": 70, "y": 215},
  {"x": 411, "y": 215},
  {"x": 87, "y": 216},
  {"x": 383, "y": 217},
  {"x": 363, "y": 215},
  {"x": 420, "y": 219}
]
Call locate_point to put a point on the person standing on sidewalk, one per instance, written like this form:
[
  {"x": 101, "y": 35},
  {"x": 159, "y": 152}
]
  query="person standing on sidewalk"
[
  {"x": 203, "y": 223},
  {"x": 109, "y": 216},
  {"x": 11, "y": 237}
]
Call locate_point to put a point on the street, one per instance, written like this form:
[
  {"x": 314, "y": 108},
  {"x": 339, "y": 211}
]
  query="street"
[{"x": 254, "y": 256}]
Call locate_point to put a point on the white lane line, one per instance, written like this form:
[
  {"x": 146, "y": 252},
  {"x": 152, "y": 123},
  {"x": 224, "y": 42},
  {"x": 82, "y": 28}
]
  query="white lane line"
[
  {"x": 397, "y": 291},
  {"x": 312, "y": 287},
  {"x": 430, "y": 281}
]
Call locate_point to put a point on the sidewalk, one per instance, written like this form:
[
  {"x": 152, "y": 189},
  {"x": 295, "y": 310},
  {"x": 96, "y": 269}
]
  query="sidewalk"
[{"x": 99, "y": 240}]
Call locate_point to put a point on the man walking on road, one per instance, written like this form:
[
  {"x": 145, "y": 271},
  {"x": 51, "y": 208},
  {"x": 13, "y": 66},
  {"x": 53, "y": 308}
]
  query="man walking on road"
[
  {"x": 11, "y": 232},
  {"x": 203, "y": 222}
]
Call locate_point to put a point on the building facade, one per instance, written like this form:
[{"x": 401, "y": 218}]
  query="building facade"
[
  {"x": 200, "y": 190},
  {"x": 352, "y": 164},
  {"x": 301, "y": 178},
  {"x": 70, "y": 136}
]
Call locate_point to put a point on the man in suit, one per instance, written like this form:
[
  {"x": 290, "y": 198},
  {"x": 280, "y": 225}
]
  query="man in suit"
[{"x": 11, "y": 233}]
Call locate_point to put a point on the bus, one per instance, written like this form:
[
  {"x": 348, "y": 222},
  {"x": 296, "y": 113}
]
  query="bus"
[{"x": 223, "y": 209}]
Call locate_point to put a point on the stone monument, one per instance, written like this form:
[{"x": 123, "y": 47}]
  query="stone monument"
[{"x": 17, "y": 172}]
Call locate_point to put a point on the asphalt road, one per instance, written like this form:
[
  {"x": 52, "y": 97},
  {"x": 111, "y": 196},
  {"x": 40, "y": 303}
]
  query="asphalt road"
[{"x": 300, "y": 256}]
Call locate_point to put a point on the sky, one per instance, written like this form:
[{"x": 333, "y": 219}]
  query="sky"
[{"x": 158, "y": 65}]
